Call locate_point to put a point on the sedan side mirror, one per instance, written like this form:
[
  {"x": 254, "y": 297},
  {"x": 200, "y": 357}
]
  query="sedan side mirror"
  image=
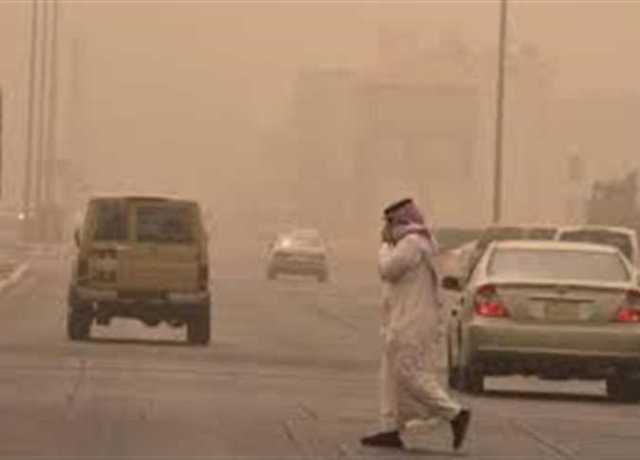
[{"x": 451, "y": 283}]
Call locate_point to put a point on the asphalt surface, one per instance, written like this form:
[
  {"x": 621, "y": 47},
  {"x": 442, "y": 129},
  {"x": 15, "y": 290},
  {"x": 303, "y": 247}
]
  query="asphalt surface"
[{"x": 291, "y": 373}]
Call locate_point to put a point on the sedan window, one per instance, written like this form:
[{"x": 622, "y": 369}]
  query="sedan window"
[
  {"x": 500, "y": 234},
  {"x": 617, "y": 240}
]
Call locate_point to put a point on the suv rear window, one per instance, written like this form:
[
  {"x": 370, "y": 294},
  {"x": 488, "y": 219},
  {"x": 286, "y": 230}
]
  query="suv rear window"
[
  {"x": 156, "y": 223},
  {"x": 111, "y": 220}
]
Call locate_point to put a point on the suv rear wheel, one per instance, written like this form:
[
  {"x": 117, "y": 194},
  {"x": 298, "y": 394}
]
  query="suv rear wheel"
[
  {"x": 199, "y": 328},
  {"x": 78, "y": 324}
]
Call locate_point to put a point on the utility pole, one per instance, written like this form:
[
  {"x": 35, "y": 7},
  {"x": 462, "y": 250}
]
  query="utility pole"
[
  {"x": 1, "y": 152},
  {"x": 28, "y": 169},
  {"x": 51, "y": 152},
  {"x": 42, "y": 117},
  {"x": 498, "y": 162}
]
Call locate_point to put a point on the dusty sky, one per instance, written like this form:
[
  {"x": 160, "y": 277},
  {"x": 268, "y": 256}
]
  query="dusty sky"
[{"x": 194, "y": 86}]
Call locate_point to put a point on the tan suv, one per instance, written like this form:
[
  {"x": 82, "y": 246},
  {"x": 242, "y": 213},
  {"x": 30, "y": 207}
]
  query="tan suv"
[{"x": 141, "y": 257}]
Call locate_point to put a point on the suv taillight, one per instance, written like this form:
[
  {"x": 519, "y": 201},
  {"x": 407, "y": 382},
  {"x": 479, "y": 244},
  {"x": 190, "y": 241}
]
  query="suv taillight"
[
  {"x": 487, "y": 303},
  {"x": 630, "y": 311}
]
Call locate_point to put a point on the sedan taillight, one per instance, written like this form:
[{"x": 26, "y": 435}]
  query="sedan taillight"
[
  {"x": 630, "y": 311},
  {"x": 628, "y": 315},
  {"x": 491, "y": 310},
  {"x": 488, "y": 303}
]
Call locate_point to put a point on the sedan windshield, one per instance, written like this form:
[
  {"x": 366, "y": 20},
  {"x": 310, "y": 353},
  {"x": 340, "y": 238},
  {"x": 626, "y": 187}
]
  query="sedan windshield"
[
  {"x": 557, "y": 265},
  {"x": 500, "y": 234}
]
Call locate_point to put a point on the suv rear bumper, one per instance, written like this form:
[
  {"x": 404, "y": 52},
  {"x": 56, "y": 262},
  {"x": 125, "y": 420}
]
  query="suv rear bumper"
[
  {"x": 104, "y": 304},
  {"x": 87, "y": 295}
]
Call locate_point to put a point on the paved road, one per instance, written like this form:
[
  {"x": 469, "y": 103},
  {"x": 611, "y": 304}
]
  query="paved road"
[{"x": 290, "y": 373}]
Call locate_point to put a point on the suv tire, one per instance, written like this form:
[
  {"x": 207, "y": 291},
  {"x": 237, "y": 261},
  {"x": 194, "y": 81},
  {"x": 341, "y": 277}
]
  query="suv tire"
[
  {"x": 199, "y": 328},
  {"x": 78, "y": 324}
]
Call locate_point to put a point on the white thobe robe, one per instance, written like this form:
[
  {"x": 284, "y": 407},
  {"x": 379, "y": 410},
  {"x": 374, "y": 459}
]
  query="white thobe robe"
[{"x": 410, "y": 391}]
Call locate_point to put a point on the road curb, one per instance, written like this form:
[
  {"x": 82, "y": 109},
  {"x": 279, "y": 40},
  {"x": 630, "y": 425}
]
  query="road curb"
[{"x": 15, "y": 277}]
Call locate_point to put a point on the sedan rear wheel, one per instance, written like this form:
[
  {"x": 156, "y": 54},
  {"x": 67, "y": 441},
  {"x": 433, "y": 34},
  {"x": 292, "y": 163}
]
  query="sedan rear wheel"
[
  {"x": 452, "y": 368},
  {"x": 472, "y": 378}
]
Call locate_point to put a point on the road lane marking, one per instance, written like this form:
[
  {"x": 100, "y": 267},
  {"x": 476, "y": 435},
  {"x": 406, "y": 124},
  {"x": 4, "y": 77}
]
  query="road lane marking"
[{"x": 560, "y": 451}]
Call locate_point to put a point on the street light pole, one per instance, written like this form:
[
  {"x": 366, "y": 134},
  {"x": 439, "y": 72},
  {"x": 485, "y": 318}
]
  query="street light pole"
[
  {"x": 50, "y": 159},
  {"x": 498, "y": 163},
  {"x": 42, "y": 121},
  {"x": 28, "y": 169}
]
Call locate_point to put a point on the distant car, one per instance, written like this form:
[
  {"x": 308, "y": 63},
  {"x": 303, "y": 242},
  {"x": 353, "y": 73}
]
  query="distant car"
[
  {"x": 507, "y": 232},
  {"x": 554, "y": 310},
  {"x": 625, "y": 239},
  {"x": 141, "y": 257},
  {"x": 456, "y": 261},
  {"x": 300, "y": 252}
]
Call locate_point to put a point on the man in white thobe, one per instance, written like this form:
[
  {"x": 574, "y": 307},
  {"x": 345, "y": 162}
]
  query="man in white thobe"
[{"x": 410, "y": 391}]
